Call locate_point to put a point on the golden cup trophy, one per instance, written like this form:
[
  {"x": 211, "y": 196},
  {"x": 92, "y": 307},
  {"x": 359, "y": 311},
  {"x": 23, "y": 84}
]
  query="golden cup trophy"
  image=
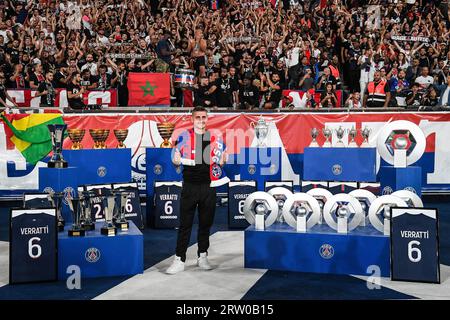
[
  {"x": 165, "y": 129},
  {"x": 97, "y": 136},
  {"x": 121, "y": 135},
  {"x": 104, "y": 138},
  {"x": 76, "y": 136}
]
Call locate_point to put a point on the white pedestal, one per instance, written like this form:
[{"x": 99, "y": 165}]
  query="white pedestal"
[
  {"x": 301, "y": 224},
  {"x": 352, "y": 144},
  {"x": 327, "y": 144},
  {"x": 259, "y": 222},
  {"x": 399, "y": 158},
  {"x": 387, "y": 227},
  {"x": 339, "y": 144},
  {"x": 342, "y": 225}
]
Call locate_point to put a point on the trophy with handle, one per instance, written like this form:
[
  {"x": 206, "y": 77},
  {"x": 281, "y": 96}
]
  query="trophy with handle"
[
  {"x": 327, "y": 134},
  {"x": 121, "y": 221},
  {"x": 86, "y": 208},
  {"x": 165, "y": 129},
  {"x": 365, "y": 134},
  {"x": 261, "y": 131},
  {"x": 57, "y": 136},
  {"x": 55, "y": 199},
  {"x": 76, "y": 230},
  {"x": 340, "y": 134},
  {"x": 109, "y": 229},
  {"x": 314, "y": 135},
  {"x": 352, "y": 134}
]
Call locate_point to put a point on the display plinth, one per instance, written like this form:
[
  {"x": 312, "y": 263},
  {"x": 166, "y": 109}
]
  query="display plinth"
[
  {"x": 394, "y": 179},
  {"x": 260, "y": 164},
  {"x": 340, "y": 164},
  {"x": 320, "y": 250},
  {"x": 98, "y": 255}
]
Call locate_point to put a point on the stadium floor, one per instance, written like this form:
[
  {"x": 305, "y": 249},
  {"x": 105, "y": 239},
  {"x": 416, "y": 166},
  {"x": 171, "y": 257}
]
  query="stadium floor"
[{"x": 229, "y": 280}]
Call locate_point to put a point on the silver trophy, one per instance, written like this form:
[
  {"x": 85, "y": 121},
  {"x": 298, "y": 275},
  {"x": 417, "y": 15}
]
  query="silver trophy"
[
  {"x": 352, "y": 134},
  {"x": 280, "y": 194},
  {"x": 76, "y": 230},
  {"x": 109, "y": 229},
  {"x": 314, "y": 135},
  {"x": 121, "y": 222},
  {"x": 260, "y": 209},
  {"x": 365, "y": 134},
  {"x": 340, "y": 135},
  {"x": 261, "y": 131},
  {"x": 57, "y": 136},
  {"x": 301, "y": 211},
  {"x": 86, "y": 208},
  {"x": 55, "y": 199},
  {"x": 327, "y": 133}
]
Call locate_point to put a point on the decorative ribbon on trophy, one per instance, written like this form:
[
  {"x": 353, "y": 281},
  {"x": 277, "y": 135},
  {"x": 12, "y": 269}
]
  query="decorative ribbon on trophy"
[
  {"x": 57, "y": 136},
  {"x": 260, "y": 209},
  {"x": 301, "y": 211},
  {"x": 280, "y": 194}
]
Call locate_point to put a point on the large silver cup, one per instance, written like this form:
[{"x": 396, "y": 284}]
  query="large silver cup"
[
  {"x": 56, "y": 200},
  {"x": 340, "y": 135},
  {"x": 352, "y": 134},
  {"x": 57, "y": 136},
  {"x": 261, "y": 131},
  {"x": 109, "y": 229},
  {"x": 314, "y": 135},
  {"x": 365, "y": 134},
  {"x": 76, "y": 230},
  {"x": 327, "y": 134}
]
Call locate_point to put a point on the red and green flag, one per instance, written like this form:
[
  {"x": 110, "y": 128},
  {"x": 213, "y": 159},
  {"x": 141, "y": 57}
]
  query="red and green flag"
[
  {"x": 30, "y": 134},
  {"x": 148, "y": 89}
]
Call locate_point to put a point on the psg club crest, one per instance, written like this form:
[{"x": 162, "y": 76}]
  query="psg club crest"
[
  {"x": 69, "y": 192},
  {"x": 251, "y": 169},
  {"x": 101, "y": 171},
  {"x": 157, "y": 169},
  {"x": 92, "y": 255},
  {"x": 326, "y": 251},
  {"x": 337, "y": 169},
  {"x": 216, "y": 171}
]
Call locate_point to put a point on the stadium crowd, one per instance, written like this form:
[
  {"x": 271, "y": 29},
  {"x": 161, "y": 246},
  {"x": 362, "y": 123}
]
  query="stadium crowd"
[{"x": 340, "y": 53}]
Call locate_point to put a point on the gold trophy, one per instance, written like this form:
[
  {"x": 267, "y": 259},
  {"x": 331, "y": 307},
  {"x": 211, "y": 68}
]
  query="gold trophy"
[
  {"x": 121, "y": 135},
  {"x": 104, "y": 138},
  {"x": 165, "y": 129},
  {"x": 97, "y": 135},
  {"x": 76, "y": 136}
]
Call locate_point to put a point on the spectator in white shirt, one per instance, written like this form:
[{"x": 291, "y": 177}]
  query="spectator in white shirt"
[{"x": 424, "y": 80}]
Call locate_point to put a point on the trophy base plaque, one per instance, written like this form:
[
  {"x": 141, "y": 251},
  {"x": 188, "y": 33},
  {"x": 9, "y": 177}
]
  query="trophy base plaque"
[
  {"x": 58, "y": 164},
  {"x": 108, "y": 231},
  {"x": 122, "y": 225},
  {"x": 88, "y": 226},
  {"x": 76, "y": 233}
]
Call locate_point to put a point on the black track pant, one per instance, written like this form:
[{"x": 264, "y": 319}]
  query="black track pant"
[{"x": 193, "y": 196}]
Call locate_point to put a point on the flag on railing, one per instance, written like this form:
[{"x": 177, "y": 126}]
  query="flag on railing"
[
  {"x": 148, "y": 89},
  {"x": 31, "y": 136}
]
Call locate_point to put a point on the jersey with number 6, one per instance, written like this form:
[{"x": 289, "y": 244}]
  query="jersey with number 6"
[
  {"x": 167, "y": 206},
  {"x": 33, "y": 247}
]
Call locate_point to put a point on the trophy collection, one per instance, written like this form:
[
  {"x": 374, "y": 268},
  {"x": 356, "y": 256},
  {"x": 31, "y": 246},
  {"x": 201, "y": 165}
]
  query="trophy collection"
[
  {"x": 340, "y": 133},
  {"x": 342, "y": 212}
]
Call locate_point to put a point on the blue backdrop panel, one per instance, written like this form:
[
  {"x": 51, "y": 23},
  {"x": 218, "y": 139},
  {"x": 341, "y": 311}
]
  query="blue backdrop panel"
[
  {"x": 97, "y": 166},
  {"x": 60, "y": 180},
  {"x": 160, "y": 168},
  {"x": 340, "y": 164},
  {"x": 393, "y": 179},
  {"x": 321, "y": 250},
  {"x": 102, "y": 256},
  {"x": 260, "y": 164}
]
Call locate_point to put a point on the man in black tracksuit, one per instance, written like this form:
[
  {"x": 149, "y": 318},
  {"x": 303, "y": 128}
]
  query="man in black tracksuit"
[{"x": 197, "y": 191}]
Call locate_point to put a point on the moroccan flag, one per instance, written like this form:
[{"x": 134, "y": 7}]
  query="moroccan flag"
[
  {"x": 31, "y": 136},
  {"x": 148, "y": 89}
]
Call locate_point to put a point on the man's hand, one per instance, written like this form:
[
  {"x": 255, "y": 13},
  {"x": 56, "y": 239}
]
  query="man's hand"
[{"x": 176, "y": 158}]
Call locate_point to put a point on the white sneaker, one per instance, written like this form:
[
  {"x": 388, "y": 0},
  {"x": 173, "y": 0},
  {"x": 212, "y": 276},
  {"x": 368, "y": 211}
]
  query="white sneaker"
[
  {"x": 176, "y": 266},
  {"x": 203, "y": 262}
]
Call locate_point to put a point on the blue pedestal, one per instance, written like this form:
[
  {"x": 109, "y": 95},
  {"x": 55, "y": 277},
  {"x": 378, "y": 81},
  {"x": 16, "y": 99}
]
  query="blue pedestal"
[
  {"x": 260, "y": 164},
  {"x": 393, "y": 179},
  {"x": 102, "y": 256},
  {"x": 98, "y": 166},
  {"x": 321, "y": 250},
  {"x": 340, "y": 164},
  {"x": 60, "y": 180}
]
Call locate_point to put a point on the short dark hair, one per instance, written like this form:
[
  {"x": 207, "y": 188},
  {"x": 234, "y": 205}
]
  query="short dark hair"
[{"x": 199, "y": 109}]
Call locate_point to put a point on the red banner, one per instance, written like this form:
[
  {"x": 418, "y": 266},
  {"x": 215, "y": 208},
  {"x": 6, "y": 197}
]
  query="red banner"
[
  {"x": 148, "y": 89},
  {"x": 26, "y": 98}
]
